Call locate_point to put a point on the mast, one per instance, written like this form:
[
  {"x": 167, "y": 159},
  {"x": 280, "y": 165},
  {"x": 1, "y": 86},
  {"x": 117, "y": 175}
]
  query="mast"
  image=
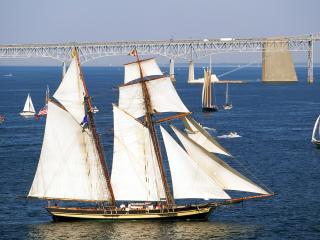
[
  {"x": 92, "y": 126},
  {"x": 150, "y": 126},
  {"x": 47, "y": 94}
]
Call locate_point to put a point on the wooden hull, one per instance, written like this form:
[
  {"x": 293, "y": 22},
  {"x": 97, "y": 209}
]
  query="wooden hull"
[{"x": 197, "y": 213}]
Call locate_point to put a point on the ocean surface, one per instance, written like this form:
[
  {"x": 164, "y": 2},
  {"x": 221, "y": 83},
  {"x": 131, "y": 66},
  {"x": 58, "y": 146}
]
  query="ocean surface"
[{"x": 274, "y": 120}]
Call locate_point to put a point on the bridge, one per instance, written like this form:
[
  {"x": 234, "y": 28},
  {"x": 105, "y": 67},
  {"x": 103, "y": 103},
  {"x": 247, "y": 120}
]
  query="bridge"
[{"x": 189, "y": 50}]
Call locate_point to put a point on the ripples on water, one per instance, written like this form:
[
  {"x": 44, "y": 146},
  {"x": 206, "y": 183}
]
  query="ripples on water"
[{"x": 275, "y": 121}]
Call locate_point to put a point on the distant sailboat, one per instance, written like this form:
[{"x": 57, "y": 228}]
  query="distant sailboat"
[
  {"x": 95, "y": 109},
  {"x": 72, "y": 164},
  {"x": 28, "y": 110},
  {"x": 316, "y": 133},
  {"x": 228, "y": 104},
  {"x": 207, "y": 105}
]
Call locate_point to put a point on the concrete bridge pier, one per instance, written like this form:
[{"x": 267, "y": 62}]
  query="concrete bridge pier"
[
  {"x": 277, "y": 63},
  {"x": 191, "y": 72},
  {"x": 172, "y": 77},
  {"x": 64, "y": 70},
  {"x": 310, "y": 62}
]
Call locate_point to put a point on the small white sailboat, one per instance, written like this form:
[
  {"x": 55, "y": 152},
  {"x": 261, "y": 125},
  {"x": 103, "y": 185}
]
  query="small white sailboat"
[
  {"x": 28, "y": 110},
  {"x": 316, "y": 133},
  {"x": 228, "y": 104}
]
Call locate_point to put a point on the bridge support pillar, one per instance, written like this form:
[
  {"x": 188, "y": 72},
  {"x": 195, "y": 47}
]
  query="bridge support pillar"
[
  {"x": 63, "y": 69},
  {"x": 277, "y": 63},
  {"x": 310, "y": 62},
  {"x": 172, "y": 70},
  {"x": 191, "y": 72}
]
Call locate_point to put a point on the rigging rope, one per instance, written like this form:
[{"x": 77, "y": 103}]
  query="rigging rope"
[{"x": 236, "y": 69}]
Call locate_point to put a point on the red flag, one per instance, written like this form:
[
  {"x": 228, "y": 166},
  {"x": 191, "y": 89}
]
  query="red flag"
[{"x": 42, "y": 112}]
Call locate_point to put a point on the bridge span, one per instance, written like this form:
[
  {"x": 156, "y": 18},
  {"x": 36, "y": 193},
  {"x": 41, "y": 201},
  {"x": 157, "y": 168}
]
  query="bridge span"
[{"x": 190, "y": 50}]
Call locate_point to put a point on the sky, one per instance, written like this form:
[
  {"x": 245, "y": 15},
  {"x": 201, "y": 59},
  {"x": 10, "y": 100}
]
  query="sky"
[{"x": 58, "y": 21}]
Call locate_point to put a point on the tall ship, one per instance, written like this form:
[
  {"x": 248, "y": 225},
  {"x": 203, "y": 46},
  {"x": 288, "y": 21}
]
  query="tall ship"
[
  {"x": 28, "y": 109},
  {"x": 72, "y": 174},
  {"x": 207, "y": 105},
  {"x": 316, "y": 133}
]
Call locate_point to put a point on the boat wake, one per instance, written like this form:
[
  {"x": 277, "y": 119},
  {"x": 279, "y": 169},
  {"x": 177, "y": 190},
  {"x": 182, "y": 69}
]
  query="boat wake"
[
  {"x": 8, "y": 75},
  {"x": 230, "y": 135},
  {"x": 210, "y": 129}
]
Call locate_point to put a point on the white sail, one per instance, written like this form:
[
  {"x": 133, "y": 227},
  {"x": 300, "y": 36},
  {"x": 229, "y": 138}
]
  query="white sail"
[
  {"x": 135, "y": 172},
  {"x": 28, "y": 106},
  {"x": 189, "y": 180},
  {"x": 227, "y": 94},
  {"x": 227, "y": 177},
  {"x": 149, "y": 68},
  {"x": 163, "y": 97},
  {"x": 316, "y": 130},
  {"x": 196, "y": 132},
  {"x": 70, "y": 93},
  {"x": 68, "y": 167}
]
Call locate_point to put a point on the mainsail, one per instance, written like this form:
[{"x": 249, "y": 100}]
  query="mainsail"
[
  {"x": 224, "y": 175},
  {"x": 69, "y": 166},
  {"x": 316, "y": 130},
  {"x": 28, "y": 106},
  {"x": 135, "y": 173},
  {"x": 145, "y": 92},
  {"x": 189, "y": 180},
  {"x": 227, "y": 94},
  {"x": 198, "y": 134}
]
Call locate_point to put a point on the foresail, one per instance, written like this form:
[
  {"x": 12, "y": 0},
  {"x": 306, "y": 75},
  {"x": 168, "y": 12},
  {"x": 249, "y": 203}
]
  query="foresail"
[
  {"x": 227, "y": 177},
  {"x": 162, "y": 93},
  {"x": 135, "y": 172},
  {"x": 70, "y": 93},
  {"x": 31, "y": 107},
  {"x": 198, "y": 134},
  {"x": 68, "y": 167},
  {"x": 149, "y": 67},
  {"x": 189, "y": 180}
]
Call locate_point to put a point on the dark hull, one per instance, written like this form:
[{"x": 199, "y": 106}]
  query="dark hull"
[
  {"x": 316, "y": 143},
  {"x": 196, "y": 213},
  {"x": 209, "y": 109}
]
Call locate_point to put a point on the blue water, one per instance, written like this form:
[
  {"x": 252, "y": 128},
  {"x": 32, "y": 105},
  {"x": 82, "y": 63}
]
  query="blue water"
[{"x": 275, "y": 122}]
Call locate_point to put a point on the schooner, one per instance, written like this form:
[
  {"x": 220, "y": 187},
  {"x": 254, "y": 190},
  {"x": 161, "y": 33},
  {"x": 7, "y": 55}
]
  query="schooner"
[
  {"x": 207, "y": 105},
  {"x": 72, "y": 167}
]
